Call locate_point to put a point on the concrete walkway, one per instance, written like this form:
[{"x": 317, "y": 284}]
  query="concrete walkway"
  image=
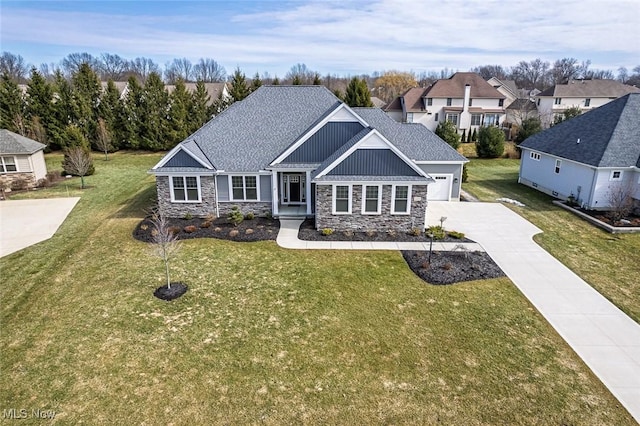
[
  {"x": 605, "y": 338},
  {"x": 27, "y": 222}
]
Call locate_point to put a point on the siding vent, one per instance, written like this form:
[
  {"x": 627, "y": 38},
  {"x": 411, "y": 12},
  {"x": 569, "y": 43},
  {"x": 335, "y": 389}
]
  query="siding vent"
[
  {"x": 535, "y": 185},
  {"x": 554, "y": 193}
]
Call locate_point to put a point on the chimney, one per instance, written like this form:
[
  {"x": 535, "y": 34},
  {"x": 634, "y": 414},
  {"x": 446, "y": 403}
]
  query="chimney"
[{"x": 467, "y": 95}]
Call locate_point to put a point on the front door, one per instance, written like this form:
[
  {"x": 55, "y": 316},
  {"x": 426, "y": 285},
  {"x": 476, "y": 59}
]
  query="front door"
[{"x": 293, "y": 188}]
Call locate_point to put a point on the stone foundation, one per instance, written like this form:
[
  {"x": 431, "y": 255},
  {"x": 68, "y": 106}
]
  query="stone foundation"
[
  {"x": 358, "y": 222},
  {"x": 10, "y": 180},
  {"x": 258, "y": 208},
  {"x": 202, "y": 209}
]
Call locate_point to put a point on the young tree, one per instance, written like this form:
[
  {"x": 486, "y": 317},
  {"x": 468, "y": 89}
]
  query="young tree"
[
  {"x": 620, "y": 198},
  {"x": 256, "y": 82},
  {"x": 529, "y": 127},
  {"x": 239, "y": 88},
  {"x": 165, "y": 242},
  {"x": 358, "y": 94},
  {"x": 447, "y": 131},
  {"x": 77, "y": 155},
  {"x": 103, "y": 139},
  {"x": 490, "y": 142}
]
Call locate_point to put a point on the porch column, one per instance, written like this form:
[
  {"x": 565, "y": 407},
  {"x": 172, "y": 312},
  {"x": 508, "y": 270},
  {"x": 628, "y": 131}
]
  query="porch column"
[
  {"x": 308, "y": 192},
  {"x": 274, "y": 192}
]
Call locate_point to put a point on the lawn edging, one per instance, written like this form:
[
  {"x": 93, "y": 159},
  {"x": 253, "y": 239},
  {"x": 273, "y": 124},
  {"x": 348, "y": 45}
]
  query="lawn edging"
[{"x": 599, "y": 223}]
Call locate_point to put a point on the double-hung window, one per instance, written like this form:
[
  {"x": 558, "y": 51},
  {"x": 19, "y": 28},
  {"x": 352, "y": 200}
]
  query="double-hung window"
[
  {"x": 429, "y": 101},
  {"x": 452, "y": 118},
  {"x": 185, "y": 189},
  {"x": 341, "y": 199},
  {"x": 587, "y": 102},
  {"x": 558, "y": 164},
  {"x": 476, "y": 119},
  {"x": 244, "y": 188},
  {"x": 449, "y": 101},
  {"x": 371, "y": 200},
  {"x": 400, "y": 195},
  {"x": 557, "y": 101},
  {"x": 8, "y": 164}
]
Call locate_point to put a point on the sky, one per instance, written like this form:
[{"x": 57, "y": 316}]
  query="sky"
[{"x": 341, "y": 37}]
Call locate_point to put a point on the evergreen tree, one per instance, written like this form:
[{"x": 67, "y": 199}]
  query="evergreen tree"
[
  {"x": 474, "y": 137},
  {"x": 297, "y": 81},
  {"x": 77, "y": 153},
  {"x": 446, "y": 130},
  {"x": 469, "y": 136},
  {"x": 239, "y": 89},
  {"x": 490, "y": 142},
  {"x": 529, "y": 127},
  {"x": 179, "y": 105},
  {"x": 464, "y": 135},
  {"x": 109, "y": 111},
  {"x": 39, "y": 101},
  {"x": 316, "y": 80},
  {"x": 12, "y": 106},
  {"x": 153, "y": 115},
  {"x": 66, "y": 111},
  {"x": 358, "y": 94},
  {"x": 256, "y": 82},
  {"x": 276, "y": 81},
  {"x": 129, "y": 123},
  {"x": 86, "y": 90},
  {"x": 198, "y": 109}
]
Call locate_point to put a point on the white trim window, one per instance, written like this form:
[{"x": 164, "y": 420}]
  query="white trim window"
[
  {"x": 8, "y": 164},
  {"x": 244, "y": 188},
  {"x": 558, "y": 165},
  {"x": 535, "y": 156},
  {"x": 452, "y": 118},
  {"x": 476, "y": 119},
  {"x": 409, "y": 117},
  {"x": 401, "y": 196},
  {"x": 557, "y": 101},
  {"x": 615, "y": 175},
  {"x": 491, "y": 120},
  {"x": 341, "y": 199},
  {"x": 185, "y": 189},
  {"x": 371, "y": 199}
]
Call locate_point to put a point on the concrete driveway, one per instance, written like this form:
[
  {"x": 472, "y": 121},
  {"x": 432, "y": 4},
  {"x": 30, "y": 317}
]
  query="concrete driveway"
[
  {"x": 605, "y": 338},
  {"x": 27, "y": 222}
]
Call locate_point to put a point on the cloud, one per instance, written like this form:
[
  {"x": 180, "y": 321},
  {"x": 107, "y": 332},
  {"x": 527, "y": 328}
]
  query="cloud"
[{"x": 348, "y": 36}]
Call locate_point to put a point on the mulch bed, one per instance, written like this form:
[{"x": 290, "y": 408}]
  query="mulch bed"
[
  {"x": 176, "y": 290},
  {"x": 452, "y": 266},
  {"x": 308, "y": 233},
  {"x": 629, "y": 221},
  {"x": 257, "y": 229}
]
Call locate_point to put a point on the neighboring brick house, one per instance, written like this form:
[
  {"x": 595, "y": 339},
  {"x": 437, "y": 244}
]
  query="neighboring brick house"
[
  {"x": 300, "y": 151},
  {"x": 589, "y": 156},
  {"x": 584, "y": 94},
  {"x": 465, "y": 99},
  {"x": 22, "y": 162}
]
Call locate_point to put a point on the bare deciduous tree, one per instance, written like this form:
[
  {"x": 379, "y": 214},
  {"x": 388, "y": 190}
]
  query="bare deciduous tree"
[
  {"x": 72, "y": 62},
  {"x": 209, "y": 71},
  {"x": 178, "y": 68},
  {"x": 112, "y": 67},
  {"x": 78, "y": 161},
  {"x": 165, "y": 242},
  {"x": 620, "y": 201},
  {"x": 103, "y": 139},
  {"x": 13, "y": 66},
  {"x": 142, "y": 68}
]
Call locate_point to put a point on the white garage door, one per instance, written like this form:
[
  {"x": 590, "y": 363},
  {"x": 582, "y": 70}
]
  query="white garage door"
[{"x": 440, "y": 190}]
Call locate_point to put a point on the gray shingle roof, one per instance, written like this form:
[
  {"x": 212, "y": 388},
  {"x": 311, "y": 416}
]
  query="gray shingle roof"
[
  {"x": 609, "y": 135},
  {"x": 13, "y": 143},
  {"x": 413, "y": 139},
  {"x": 251, "y": 133},
  {"x": 589, "y": 89}
]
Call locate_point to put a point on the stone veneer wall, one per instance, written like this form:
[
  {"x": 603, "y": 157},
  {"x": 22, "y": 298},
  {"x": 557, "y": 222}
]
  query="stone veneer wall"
[
  {"x": 7, "y": 179},
  {"x": 206, "y": 207},
  {"x": 258, "y": 208},
  {"x": 357, "y": 221}
]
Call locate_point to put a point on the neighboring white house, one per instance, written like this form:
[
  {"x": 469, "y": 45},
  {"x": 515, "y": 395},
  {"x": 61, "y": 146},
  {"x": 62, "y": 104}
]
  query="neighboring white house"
[
  {"x": 507, "y": 87},
  {"x": 21, "y": 161},
  {"x": 585, "y": 94},
  {"x": 589, "y": 156},
  {"x": 465, "y": 99}
]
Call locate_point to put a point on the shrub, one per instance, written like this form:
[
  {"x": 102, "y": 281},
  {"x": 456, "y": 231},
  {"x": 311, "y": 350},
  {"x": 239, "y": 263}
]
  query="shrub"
[
  {"x": 249, "y": 216},
  {"x": 235, "y": 216},
  {"x": 490, "y": 142},
  {"x": 326, "y": 232},
  {"x": 456, "y": 235},
  {"x": 415, "y": 232},
  {"x": 268, "y": 215},
  {"x": 437, "y": 232},
  {"x": 446, "y": 130},
  {"x": 190, "y": 229},
  {"x": 19, "y": 184},
  {"x": 188, "y": 216}
]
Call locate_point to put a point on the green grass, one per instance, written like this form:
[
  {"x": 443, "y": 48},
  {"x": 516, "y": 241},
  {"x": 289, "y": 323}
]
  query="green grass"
[
  {"x": 267, "y": 335},
  {"x": 609, "y": 262}
]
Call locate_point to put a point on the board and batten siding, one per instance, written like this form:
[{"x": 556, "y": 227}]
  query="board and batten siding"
[{"x": 224, "y": 189}]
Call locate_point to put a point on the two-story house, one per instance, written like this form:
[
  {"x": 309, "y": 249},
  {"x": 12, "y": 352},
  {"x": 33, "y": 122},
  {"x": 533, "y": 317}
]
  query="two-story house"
[
  {"x": 584, "y": 94},
  {"x": 465, "y": 99}
]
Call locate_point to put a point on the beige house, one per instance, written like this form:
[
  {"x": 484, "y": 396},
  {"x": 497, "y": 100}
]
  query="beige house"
[{"x": 21, "y": 161}]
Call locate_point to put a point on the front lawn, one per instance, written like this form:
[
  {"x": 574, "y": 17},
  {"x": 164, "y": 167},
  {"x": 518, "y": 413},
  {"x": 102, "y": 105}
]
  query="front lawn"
[
  {"x": 267, "y": 335},
  {"x": 609, "y": 262}
]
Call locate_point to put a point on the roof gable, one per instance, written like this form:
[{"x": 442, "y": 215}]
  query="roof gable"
[
  {"x": 13, "y": 143},
  {"x": 327, "y": 140},
  {"x": 607, "y": 136},
  {"x": 454, "y": 87}
]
